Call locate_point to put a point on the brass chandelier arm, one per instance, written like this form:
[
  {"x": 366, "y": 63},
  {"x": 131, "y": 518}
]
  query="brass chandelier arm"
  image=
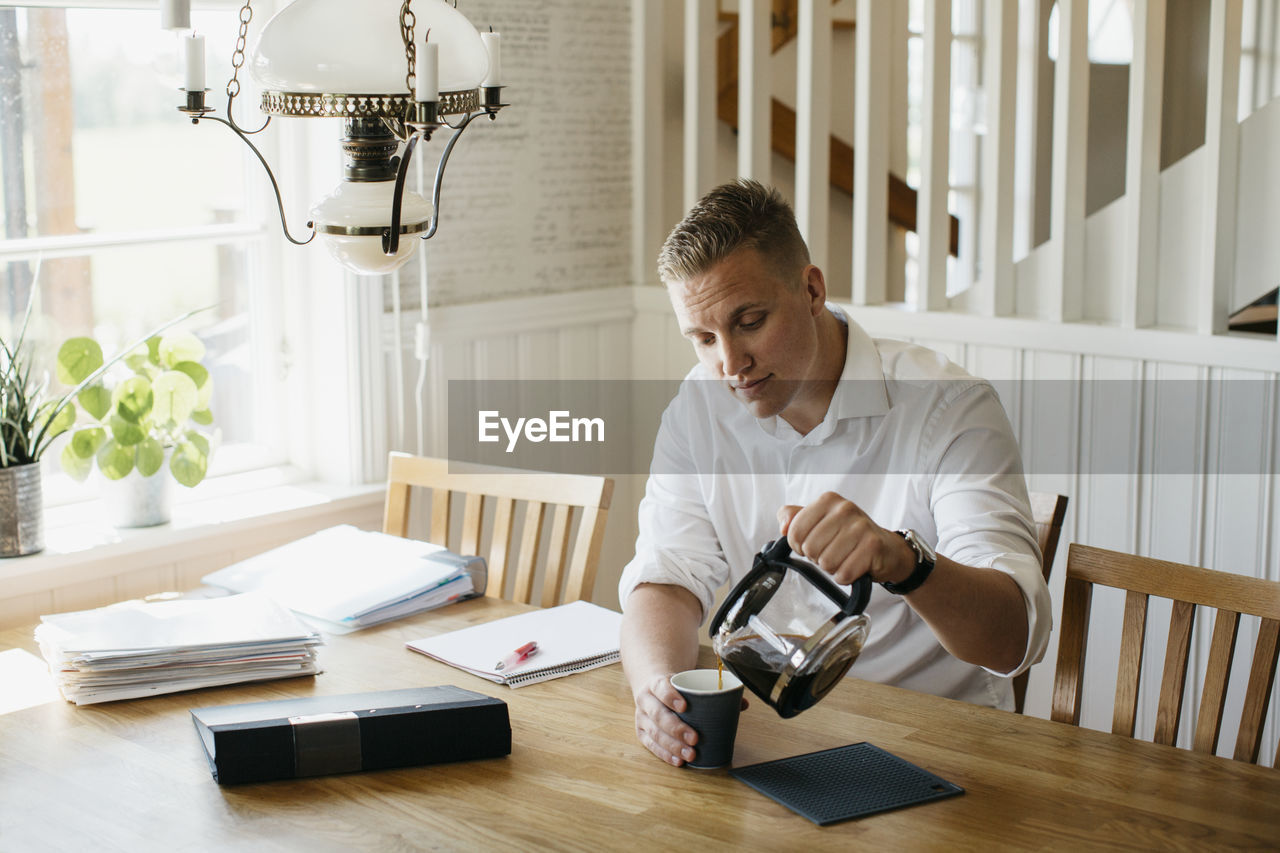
[
  {"x": 275, "y": 187},
  {"x": 234, "y": 125},
  {"x": 391, "y": 236}
]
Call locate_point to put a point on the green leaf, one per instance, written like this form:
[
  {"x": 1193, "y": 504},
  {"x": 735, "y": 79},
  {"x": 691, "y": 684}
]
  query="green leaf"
[
  {"x": 137, "y": 361},
  {"x": 200, "y": 441},
  {"x": 177, "y": 347},
  {"x": 126, "y": 433},
  {"x": 200, "y": 376},
  {"x": 150, "y": 455},
  {"x": 153, "y": 350},
  {"x": 133, "y": 399},
  {"x": 96, "y": 400},
  {"x": 115, "y": 461},
  {"x": 76, "y": 467},
  {"x": 77, "y": 358},
  {"x": 64, "y": 420},
  {"x": 176, "y": 397},
  {"x": 87, "y": 442},
  {"x": 188, "y": 464},
  {"x": 204, "y": 417}
]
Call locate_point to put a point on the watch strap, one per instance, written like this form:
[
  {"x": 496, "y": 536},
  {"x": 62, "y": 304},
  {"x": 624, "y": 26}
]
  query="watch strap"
[{"x": 924, "y": 567}]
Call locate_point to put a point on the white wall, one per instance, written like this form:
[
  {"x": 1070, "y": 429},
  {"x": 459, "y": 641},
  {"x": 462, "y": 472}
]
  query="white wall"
[{"x": 538, "y": 201}]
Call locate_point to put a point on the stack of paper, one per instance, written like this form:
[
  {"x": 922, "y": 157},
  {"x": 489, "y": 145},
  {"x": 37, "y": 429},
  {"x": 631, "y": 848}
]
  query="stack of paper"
[
  {"x": 571, "y": 638},
  {"x": 137, "y": 648},
  {"x": 343, "y": 578}
]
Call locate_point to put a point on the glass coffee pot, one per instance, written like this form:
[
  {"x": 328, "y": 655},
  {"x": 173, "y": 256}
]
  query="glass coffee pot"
[{"x": 789, "y": 631}]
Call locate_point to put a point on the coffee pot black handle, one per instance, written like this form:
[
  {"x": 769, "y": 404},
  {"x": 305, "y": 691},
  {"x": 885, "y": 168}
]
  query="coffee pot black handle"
[{"x": 779, "y": 551}]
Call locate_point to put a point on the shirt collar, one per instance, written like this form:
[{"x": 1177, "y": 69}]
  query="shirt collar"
[{"x": 861, "y": 392}]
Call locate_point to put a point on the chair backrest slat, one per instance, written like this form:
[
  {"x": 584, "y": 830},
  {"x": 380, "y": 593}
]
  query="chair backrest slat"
[
  {"x": 1187, "y": 587},
  {"x": 1133, "y": 635},
  {"x": 557, "y": 550},
  {"x": 1047, "y": 512},
  {"x": 472, "y": 520},
  {"x": 1213, "y": 699},
  {"x": 1174, "y": 680},
  {"x": 395, "y": 513},
  {"x": 586, "y": 550},
  {"x": 441, "y": 501},
  {"x": 530, "y": 541},
  {"x": 1261, "y": 677},
  {"x": 1072, "y": 642},
  {"x": 509, "y": 489},
  {"x": 500, "y": 544}
]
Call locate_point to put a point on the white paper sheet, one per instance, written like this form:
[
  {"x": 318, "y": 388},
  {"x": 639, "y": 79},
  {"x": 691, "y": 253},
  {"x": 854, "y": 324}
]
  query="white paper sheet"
[{"x": 346, "y": 577}]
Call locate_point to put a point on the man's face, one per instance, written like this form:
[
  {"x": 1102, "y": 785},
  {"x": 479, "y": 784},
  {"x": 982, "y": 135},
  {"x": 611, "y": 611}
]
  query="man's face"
[{"x": 757, "y": 332}]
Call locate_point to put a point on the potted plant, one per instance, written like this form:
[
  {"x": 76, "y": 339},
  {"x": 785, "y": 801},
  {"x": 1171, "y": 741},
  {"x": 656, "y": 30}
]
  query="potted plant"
[
  {"x": 28, "y": 423},
  {"x": 149, "y": 418},
  {"x": 30, "y": 419}
]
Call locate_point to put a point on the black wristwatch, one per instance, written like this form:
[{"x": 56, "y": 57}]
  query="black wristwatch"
[{"x": 925, "y": 559}]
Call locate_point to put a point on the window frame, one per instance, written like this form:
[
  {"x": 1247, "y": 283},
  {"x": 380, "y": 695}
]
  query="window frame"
[{"x": 316, "y": 331}]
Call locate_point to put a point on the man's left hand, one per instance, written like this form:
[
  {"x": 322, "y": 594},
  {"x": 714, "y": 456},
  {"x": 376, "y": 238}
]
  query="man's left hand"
[{"x": 844, "y": 542}]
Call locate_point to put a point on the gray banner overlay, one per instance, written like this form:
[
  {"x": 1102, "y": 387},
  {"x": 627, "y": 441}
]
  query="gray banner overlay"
[{"x": 1064, "y": 427}]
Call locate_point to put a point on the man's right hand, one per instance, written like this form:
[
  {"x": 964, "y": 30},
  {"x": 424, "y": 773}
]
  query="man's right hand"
[
  {"x": 659, "y": 639},
  {"x": 657, "y": 726}
]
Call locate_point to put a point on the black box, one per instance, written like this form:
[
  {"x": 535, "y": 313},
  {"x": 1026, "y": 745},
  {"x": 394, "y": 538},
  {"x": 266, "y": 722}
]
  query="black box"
[{"x": 319, "y": 735}]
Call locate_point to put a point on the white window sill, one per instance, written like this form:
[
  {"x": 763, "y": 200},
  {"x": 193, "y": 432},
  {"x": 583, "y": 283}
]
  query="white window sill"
[{"x": 80, "y": 545}]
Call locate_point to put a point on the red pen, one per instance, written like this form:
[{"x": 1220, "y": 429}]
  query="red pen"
[{"x": 517, "y": 657}]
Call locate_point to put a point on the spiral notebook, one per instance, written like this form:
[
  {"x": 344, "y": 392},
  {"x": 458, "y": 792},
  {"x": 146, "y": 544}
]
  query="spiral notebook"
[{"x": 571, "y": 638}]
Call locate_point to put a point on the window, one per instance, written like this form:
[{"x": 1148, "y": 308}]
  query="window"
[{"x": 130, "y": 214}]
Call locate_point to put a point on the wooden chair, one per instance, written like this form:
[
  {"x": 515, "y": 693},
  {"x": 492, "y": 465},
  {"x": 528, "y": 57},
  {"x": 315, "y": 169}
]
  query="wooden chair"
[
  {"x": 1047, "y": 511},
  {"x": 563, "y": 493},
  {"x": 1187, "y": 586}
]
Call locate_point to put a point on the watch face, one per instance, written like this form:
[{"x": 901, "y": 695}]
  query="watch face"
[{"x": 924, "y": 553}]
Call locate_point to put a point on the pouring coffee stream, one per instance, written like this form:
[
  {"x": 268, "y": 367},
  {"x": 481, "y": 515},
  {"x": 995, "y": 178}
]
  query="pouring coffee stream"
[{"x": 789, "y": 631}]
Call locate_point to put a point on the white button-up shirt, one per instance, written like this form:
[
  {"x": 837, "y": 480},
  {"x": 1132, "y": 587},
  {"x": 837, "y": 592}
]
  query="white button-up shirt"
[{"x": 910, "y": 438}]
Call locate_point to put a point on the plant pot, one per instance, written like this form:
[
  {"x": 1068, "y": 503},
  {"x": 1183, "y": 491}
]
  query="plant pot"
[
  {"x": 21, "y": 510},
  {"x": 138, "y": 501}
]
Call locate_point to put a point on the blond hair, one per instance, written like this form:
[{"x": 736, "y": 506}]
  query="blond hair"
[{"x": 742, "y": 215}]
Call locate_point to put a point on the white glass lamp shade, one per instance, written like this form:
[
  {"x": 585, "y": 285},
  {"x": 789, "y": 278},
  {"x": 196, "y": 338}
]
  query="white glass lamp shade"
[
  {"x": 366, "y": 206},
  {"x": 345, "y": 47}
]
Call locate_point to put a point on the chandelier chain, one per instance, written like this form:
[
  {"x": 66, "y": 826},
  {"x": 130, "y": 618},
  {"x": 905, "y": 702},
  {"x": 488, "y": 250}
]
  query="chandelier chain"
[
  {"x": 237, "y": 56},
  {"x": 407, "y": 22}
]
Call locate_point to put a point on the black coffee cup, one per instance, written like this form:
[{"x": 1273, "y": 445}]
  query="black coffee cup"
[{"x": 712, "y": 712}]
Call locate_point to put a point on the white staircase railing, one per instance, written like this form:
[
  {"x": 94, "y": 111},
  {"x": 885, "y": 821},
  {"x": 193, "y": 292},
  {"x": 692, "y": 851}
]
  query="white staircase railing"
[{"x": 994, "y": 208}]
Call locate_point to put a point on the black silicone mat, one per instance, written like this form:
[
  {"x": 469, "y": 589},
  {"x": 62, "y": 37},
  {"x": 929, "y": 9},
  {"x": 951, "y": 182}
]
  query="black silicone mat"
[{"x": 845, "y": 783}]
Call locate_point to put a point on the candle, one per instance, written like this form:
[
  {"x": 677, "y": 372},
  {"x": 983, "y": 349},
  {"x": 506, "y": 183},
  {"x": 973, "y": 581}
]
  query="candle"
[
  {"x": 428, "y": 72},
  {"x": 493, "y": 46},
  {"x": 193, "y": 51},
  {"x": 175, "y": 14}
]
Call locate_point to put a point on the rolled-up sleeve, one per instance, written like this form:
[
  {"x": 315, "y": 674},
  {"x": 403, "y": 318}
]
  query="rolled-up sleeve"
[
  {"x": 677, "y": 543},
  {"x": 978, "y": 499}
]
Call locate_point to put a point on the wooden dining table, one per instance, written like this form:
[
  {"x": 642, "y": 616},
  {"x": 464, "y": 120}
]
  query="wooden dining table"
[{"x": 132, "y": 775}]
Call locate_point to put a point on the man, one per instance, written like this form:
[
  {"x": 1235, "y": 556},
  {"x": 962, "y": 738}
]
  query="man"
[{"x": 845, "y": 441}]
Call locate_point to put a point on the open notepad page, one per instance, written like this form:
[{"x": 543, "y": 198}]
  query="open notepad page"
[
  {"x": 571, "y": 638},
  {"x": 347, "y": 578}
]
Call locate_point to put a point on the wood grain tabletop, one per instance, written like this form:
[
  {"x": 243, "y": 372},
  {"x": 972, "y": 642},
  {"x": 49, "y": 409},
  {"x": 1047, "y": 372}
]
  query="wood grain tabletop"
[{"x": 133, "y": 775}]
